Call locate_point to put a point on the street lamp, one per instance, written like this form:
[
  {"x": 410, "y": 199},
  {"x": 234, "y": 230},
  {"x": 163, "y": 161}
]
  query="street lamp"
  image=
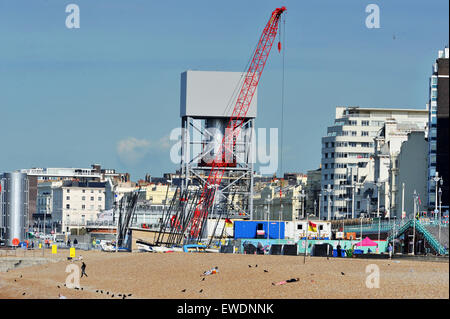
[
  {"x": 320, "y": 198},
  {"x": 302, "y": 196},
  {"x": 315, "y": 206},
  {"x": 361, "y": 218},
  {"x": 440, "y": 213},
  {"x": 279, "y": 222},
  {"x": 347, "y": 204},
  {"x": 368, "y": 206},
  {"x": 414, "y": 220},
  {"x": 268, "y": 200},
  {"x": 436, "y": 178},
  {"x": 378, "y": 210},
  {"x": 328, "y": 190}
]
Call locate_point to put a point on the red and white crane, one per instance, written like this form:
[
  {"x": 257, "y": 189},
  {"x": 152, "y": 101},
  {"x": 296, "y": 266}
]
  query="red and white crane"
[{"x": 232, "y": 131}]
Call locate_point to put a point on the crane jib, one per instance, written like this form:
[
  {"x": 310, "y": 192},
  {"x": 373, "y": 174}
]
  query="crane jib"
[{"x": 243, "y": 102}]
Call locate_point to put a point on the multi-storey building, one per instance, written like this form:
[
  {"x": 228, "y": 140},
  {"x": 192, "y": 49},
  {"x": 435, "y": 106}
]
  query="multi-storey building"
[
  {"x": 348, "y": 157},
  {"x": 393, "y": 145},
  {"x": 37, "y": 176},
  {"x": 78, "y": 203},
  {"x": 270, "y": 204},
  {"x": 411, "y": 176},
  {"x": 312, "y": 189},
  {"x": 45, "y": 205},
  {"x": 438, "y": 139}
]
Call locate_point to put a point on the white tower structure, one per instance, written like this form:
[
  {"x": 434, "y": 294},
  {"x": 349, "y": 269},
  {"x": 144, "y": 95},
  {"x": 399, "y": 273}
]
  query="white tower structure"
[{"x": 206, "y": 103}]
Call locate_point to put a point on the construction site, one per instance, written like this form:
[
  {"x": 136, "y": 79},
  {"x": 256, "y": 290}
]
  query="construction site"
[{"x": 211, "y": 220}]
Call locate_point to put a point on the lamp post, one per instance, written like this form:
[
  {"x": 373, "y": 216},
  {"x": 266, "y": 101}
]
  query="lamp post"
[
  {"x": 368, "y": 206},
  {"x": 315, "y": 206},
  {"x": 301, "y": 198},
  {"x": 348, "y": 200},
  {"x": 268, "y": 200},
  {"x": 353, "y": 200},
  {"x": 279, "y": 223},
  {"x": 436, "y": 179},
  {"x": 360, "y": 217},
  {"x": 403, "y": 200},
  {"x": 378, "y": 209},
  {"x": 328, "y": 190},
  {"x": 440, "y": 213},
  {"x": 320, "y": 198},
  {"x": 414, "y": 222}
]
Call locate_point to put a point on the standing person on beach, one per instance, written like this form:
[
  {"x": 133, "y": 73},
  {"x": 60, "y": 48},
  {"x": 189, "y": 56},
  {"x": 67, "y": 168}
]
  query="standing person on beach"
[
  {"x": 338, "y": 249},
  {"x": 390, "y": 251},
  {"x": 83, "y": 269}
]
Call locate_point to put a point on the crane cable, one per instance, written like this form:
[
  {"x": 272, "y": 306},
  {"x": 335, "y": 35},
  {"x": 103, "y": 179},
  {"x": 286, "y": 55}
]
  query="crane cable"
[{"x": 282, "y": 93}]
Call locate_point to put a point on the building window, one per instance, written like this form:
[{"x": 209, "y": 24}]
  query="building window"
[
  {"x": 92, "y": 191},
  {"x": 365, "y": 123},
  {"x": 99, "y": 198},
  {"x": 68, "y": 206},
  {"x": 83, "y": 206},
  {"x": 84, "y": 191},
  {"x": 433, "y": 93},
  {"x": 67, "y": 197},
  {"x": 92, "y": 197},
  {"x": 354, "y": 133},
  {"x": 433, "y": 145},
  {"x": 299, "y": 226},
  {"x": 99, "y": 206},
  {"x": 83, "y": 198},
  {"x": 364, "y": 133},
  {"x": 68, "y": 190}
]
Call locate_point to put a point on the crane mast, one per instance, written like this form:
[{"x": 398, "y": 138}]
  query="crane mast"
[{"x": 233, "y": 128}]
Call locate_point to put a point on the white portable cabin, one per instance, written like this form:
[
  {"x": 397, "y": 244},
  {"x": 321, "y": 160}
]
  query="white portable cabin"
[
  {"x": 212, "y": 230},
  {"x": 297, "y": 229}
]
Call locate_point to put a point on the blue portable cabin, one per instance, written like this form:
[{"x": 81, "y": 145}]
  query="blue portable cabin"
[{"x": 258, "y": 229}]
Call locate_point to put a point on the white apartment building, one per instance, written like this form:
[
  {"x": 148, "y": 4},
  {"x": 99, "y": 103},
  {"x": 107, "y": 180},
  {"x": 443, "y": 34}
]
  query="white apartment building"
[
  {"x": 78, "y": 203},
  {"x": 348, "y": 157}
]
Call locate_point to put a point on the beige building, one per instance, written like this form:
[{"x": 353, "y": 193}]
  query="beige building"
[
  {"x": 159, "y": 194},
  {"x": 288, "y": 207}
]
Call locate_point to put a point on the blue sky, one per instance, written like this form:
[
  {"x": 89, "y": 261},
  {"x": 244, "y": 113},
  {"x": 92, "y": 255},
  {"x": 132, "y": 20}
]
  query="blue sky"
[{"x": 73, "y": 97}]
